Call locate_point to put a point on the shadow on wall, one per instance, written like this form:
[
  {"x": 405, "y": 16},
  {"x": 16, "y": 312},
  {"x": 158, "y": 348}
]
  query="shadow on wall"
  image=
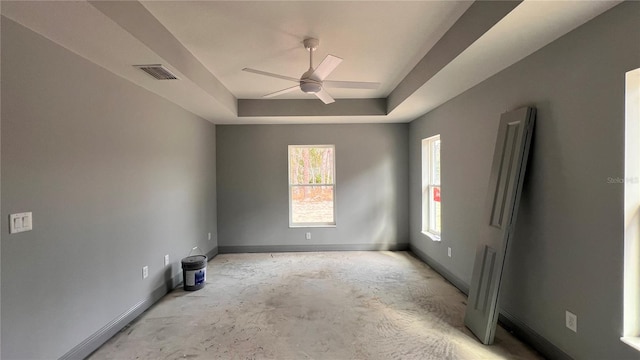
[{"x": 379, "y": 207}]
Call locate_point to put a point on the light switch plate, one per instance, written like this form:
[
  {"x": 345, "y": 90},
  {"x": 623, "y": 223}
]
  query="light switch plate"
[
  {"x": 20, "y": 222},
  {"x": 571, "y": 321}
]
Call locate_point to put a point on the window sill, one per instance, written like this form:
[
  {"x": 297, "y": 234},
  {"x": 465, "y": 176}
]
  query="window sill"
[
  {"x": 311, "y": 226},
  {"x": 633, "y": 341},
  {"x": 431, "y": 236}
]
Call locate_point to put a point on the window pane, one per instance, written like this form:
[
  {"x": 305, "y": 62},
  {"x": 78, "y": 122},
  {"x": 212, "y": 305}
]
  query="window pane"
[
  {"x": 311, "y": 165},
  {"x": 436, "y": 213},
  {"x": 312, "y": 204},
  {"x": 436, "y": 162}
]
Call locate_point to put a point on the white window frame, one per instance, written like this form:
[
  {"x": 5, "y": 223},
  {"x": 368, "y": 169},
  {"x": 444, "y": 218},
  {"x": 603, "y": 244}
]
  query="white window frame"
[
  {"x": 428, "y": 183},
  {"x": 293, "y": 224},
  {"x": 631, "y": 181}
]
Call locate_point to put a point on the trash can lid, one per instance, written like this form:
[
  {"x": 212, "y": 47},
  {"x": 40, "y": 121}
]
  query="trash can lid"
[{"x": 194, "y": 259}]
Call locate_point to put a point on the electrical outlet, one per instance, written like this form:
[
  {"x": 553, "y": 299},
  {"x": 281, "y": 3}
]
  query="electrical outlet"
[
  {"x": 308, "y": 236},
  {"x": 145, "y": 272},
  {"x": 571, "y": 321},
  {"x": 166, "y": 260},
  {"x": 209, "y": 236},
  {"x": 449, "y": 252}
]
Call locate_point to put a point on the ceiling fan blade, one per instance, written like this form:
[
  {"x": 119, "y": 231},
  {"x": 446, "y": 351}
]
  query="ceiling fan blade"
[
  {"x": 280, "y": 92},
  {"x": 260, "y": 72},
  {"x": 326, "y": 67},
  {"x": 351, "y": 84},
  {"x": 324, "y": 96}
]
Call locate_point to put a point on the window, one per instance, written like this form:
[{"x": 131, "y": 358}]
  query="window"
[
  {"x": 431, "y": 207},
  {"x": 312, "y": 184},
  {"x": 631, "y": 181}
]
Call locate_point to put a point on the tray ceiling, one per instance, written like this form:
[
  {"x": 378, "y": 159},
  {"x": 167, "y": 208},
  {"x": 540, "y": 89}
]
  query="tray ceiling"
[{"x": 422, "y": 52}]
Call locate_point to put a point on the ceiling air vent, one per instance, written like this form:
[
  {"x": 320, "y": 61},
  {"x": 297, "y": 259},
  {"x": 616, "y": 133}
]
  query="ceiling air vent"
[{"x": 158, "y": 71}]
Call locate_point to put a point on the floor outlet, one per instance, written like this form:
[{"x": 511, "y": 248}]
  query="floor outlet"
[
  {"x": 145, "y": 272},
  {"x": 166, "y": 260},
  {"x": 449, "y": 252},
  {"x": 308, "y": 236},
  {"x": 571, "y": 321}
]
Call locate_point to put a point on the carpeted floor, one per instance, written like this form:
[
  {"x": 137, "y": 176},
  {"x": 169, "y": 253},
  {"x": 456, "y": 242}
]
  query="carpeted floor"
[{"x": 325, "y": 305}]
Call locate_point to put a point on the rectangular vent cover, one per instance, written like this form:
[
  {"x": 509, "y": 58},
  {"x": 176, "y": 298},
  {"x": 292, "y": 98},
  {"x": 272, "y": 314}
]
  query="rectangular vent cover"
[{"x": 158, "y": 71}]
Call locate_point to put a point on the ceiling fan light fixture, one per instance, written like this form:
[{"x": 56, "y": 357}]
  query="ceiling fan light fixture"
[{"x": 310, "y": 87}]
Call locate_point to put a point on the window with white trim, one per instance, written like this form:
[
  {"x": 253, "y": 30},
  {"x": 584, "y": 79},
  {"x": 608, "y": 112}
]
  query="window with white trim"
[
  {"x": 431, "y": 205},
  {"x": 312, "y": 185},
  {"x": 631, "y": 181}
]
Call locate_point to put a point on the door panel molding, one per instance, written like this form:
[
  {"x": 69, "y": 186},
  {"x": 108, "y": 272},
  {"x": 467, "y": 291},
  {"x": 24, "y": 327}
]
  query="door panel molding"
[{"x": 501, "y": 205}]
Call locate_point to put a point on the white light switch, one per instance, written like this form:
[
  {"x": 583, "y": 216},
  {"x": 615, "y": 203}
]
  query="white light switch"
[
  {"x": 20, "y": 222},
  {"x": 26, "y": 222}
]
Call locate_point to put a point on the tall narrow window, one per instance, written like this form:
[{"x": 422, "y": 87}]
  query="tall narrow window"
[
  {"x": 312, "y": 185},
  {"x": 631, "y": 325},
  {"x": 431, "y": 205}
]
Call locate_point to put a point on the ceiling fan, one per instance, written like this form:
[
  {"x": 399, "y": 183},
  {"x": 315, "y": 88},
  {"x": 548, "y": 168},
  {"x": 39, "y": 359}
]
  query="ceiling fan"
[{"x": 313, "y": 80}]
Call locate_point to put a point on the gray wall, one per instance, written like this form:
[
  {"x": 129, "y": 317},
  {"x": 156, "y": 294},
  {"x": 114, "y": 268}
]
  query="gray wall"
[
  {"x": 116, "y": 177},
  {"x": 371, "y": 186},
  {"x": 568, "y": 247},
  {"x": 0, "y": 184}
]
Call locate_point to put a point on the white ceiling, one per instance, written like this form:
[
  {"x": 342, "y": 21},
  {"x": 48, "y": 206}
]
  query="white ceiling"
[
  {"x": 207, "y": 43},
  {"x": 379, "y": 41}
]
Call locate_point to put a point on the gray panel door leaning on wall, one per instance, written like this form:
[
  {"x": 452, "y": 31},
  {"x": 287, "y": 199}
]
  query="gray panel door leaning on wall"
[{"x": 501, "y": 206}]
